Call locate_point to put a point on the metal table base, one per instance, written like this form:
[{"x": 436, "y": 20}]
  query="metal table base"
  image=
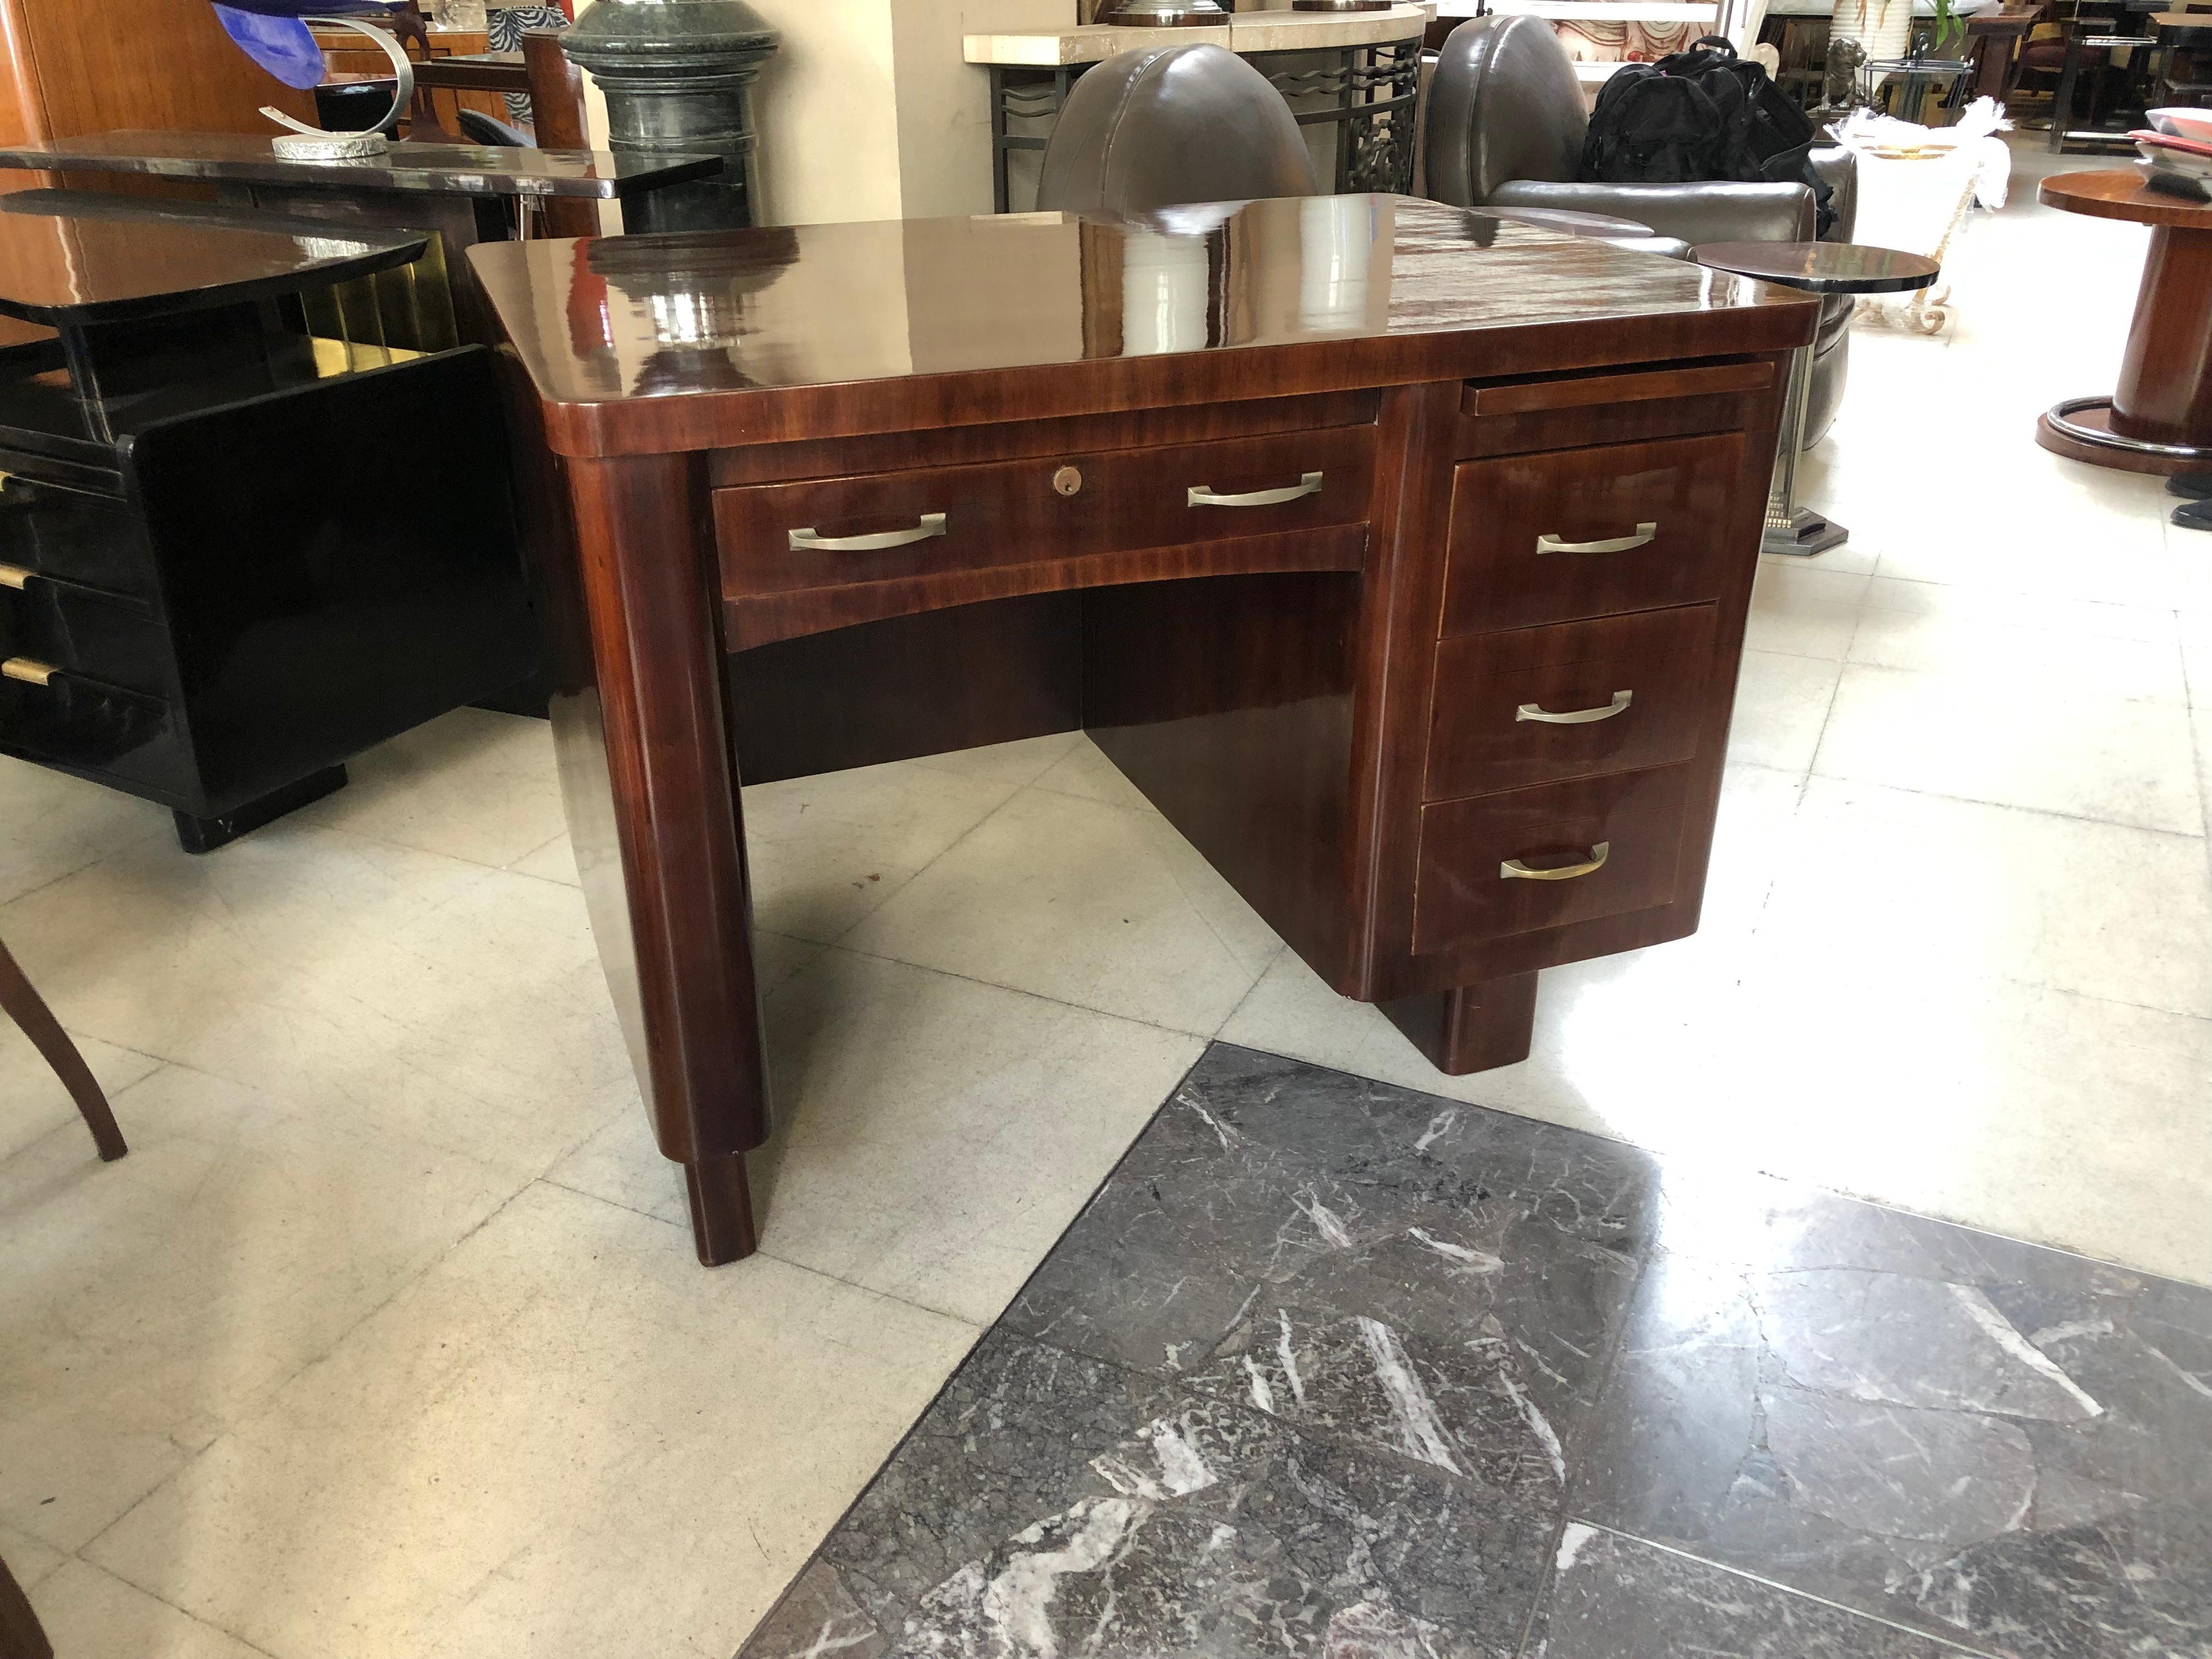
[{"x": 1791, "y": 528}]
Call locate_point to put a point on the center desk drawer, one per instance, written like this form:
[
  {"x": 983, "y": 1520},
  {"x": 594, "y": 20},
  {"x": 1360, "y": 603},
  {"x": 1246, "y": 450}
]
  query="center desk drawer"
[
  {"x": 828, "y": 533},
  {"x": 1531, "y": 705},
  {"x": 1572, "y": 533},
  {"x": 1527, "y": 860}
]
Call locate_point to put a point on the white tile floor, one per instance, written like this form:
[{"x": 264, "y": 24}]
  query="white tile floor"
[{"x": 385, "y": 1341}]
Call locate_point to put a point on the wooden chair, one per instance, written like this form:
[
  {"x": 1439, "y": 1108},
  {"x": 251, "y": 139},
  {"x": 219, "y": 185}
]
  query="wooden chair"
[
  {"x": 21, "y": 1634},
  {"x": 28, "y": 1009}
]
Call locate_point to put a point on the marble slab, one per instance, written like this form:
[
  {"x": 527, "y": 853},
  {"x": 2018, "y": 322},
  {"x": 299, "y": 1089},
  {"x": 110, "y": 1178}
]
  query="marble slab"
[{"x": 1332, "y": 1368}]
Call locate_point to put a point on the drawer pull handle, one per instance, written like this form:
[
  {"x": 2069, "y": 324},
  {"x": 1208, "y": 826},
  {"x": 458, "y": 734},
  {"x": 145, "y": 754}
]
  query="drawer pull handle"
[
  {"x": 932, "y": 524},
  {"x": 15, "y": 576},
  {"x": 1529, "y": 711},
  {"x": 28, "y": 671},
  {"x": 1646, "y": 533},
  {"x": 1309, "y": 484},
  {"x": 1514, "y": 870}
]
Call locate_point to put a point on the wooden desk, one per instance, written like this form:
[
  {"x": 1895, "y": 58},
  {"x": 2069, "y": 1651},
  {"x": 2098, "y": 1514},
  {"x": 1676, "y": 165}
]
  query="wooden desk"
[{"x": 1400, "y": 556}]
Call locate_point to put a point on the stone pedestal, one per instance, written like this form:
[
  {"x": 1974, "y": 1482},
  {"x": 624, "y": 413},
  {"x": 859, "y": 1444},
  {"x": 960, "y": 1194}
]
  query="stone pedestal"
[{"x": 678, "y": 77}]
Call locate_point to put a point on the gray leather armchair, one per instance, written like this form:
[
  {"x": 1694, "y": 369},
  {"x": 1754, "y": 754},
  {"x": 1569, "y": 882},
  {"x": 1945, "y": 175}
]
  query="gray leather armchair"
[
  {"x": 1506, "y": 124},
  {"x": 1167, "y": 125}
]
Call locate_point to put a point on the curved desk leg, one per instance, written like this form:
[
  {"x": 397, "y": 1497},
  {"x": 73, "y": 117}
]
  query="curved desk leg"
[
  {"x": 653, "y": 809},
  {"x": 28, "y": 1010}
]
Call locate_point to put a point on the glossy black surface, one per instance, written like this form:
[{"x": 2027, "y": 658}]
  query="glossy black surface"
[
  {"x": 1332, "y": 1368},
  {"x": 74, "y": 269},
  {"x": 443, "y": 169},
  {"x": 1821, "y": 267}
]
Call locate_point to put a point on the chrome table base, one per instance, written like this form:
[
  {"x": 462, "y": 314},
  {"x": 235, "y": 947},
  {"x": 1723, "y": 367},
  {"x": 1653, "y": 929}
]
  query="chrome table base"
[{"x": 1791, "y": 528}]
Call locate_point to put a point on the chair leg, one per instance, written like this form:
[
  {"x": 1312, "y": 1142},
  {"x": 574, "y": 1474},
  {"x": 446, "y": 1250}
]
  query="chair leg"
[
  {"x": 21, "y": 1635},
  {"x": 28, "y": 1009}
]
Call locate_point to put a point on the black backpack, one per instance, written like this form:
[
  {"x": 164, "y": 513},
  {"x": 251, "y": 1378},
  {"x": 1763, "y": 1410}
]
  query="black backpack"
[{"x": 1704, "y": 114}]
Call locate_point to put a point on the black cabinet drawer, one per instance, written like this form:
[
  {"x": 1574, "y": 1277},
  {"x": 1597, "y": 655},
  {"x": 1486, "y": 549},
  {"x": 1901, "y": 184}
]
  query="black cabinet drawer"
[
  {"x": 87, "y": 726},
  {"x": 73, "y": 534},
  {"x": 89, "y": 633}
]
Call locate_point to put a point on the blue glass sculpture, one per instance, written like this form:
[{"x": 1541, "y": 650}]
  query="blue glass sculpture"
[{"x": 273, "y": 34}]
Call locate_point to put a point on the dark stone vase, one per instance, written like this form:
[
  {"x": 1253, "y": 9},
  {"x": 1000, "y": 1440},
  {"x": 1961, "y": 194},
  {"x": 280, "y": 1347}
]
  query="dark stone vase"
[{"x": 678, "y": 76}]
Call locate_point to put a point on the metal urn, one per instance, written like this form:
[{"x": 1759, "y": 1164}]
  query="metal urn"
[{"x": 678, "y": 76}]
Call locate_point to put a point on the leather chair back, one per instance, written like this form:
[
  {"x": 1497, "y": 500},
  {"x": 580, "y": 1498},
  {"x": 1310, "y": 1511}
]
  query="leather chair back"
[
  {"x": 1166, "y": 126},
  {"x": 1505, "y": 105}
]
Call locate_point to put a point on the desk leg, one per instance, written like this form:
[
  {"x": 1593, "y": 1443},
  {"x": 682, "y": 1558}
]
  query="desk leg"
[
  {"x": 1791, "y": 528},
  {"x": 654, "y": 810},
  {"x": 1474, "y": 1029}
]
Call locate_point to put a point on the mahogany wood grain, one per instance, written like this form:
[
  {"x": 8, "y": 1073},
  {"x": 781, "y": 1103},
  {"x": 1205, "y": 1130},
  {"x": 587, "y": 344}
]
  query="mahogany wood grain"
[
  {"x": 153, "y": 64},
  {"x": 763, "y": 619},
  {"x": 1658, "y": 661},
  {"x": 1056, "y": 509},
  {"x": 1502, "y": 510},
  {"x": 22, "y": 1003},
  {"x": 1471, "y": 1028},
  {"x": 1636, "y": 818},
  {"x": 647, "y": 570},
  {"x": 557, "y": 113},
  {"x": 971, "y": 445},
  {"x": 1559, "y": 391},
  {"x": 1287, "y": 720},
  {"x": 927, "y": 685}
]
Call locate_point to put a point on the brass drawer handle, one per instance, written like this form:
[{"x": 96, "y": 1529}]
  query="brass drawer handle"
[
  {"x": 27, "y": 671},
  {"x": 1529, "y": 711},
  {"x": 1646, "y": 533},
  {"x": 932, "y": 524},
  {"x": 15, "y": 576},
  {"x": 1514, "y": 870},
  {"x": 1309, "y": 484}
]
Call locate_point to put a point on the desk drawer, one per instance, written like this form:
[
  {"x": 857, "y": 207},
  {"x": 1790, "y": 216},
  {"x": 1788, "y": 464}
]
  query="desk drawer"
[
  {"x": 890, "y": 527},
  {"x": 88, "y": 632},
  {"x": 1533, "y": 705},
  {"x": 1591, "y": 532},
  {"x": 1623, "y": 835},
  {"x": 73, "y": 534},
  {"x": 96, "y": 729}
]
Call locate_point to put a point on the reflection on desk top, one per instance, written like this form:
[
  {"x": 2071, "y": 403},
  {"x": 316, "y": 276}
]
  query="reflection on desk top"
[
  {"x": 438, "y": 169},
  {"x": 831, "y": 329},
  {"x": 65, "y": 271}
]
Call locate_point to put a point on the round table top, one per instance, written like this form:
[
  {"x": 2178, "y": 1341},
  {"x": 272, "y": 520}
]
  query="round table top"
[
  {"x": 2121, "y": 194},
  {"x": 1821, "y": 267}
]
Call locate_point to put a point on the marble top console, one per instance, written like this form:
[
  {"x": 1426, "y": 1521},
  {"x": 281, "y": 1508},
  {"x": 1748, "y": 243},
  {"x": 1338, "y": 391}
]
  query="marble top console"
[{"x": 1283, "y": 30}]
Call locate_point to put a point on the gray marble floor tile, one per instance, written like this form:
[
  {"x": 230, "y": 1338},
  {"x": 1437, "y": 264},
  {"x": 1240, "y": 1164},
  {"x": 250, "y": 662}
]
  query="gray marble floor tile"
[
  {"x": 1048, "y": 1502},
  {"x": 2004, "y": 1445},
  {"x": 1617, "y": 1598}
]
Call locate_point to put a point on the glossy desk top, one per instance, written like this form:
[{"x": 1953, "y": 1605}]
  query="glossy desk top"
[
  {"x": 642, "y": 344},
  {"x": 64, "y": 269},
  {"x": 438, "y": 169}
]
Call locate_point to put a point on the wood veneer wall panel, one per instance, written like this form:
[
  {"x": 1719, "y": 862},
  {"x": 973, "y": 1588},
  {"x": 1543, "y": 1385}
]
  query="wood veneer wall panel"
[{"x": 167, "y": 64}]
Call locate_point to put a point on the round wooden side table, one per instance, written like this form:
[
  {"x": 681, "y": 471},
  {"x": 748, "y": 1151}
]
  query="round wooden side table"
[
  {"x": 1818, "y": 268},
  {"x": 2160, "y": 417}
]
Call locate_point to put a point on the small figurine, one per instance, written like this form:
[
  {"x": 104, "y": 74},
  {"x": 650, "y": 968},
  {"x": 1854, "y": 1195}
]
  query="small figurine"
[{"x": 1840, "y": 88}]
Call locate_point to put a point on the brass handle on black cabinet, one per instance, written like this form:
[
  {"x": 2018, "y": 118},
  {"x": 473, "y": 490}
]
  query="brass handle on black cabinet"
[
  {"x": 15, "y": 576},
  {"x": 812, "y": 541},
  {"x": 1529, "y": 711},
  {"x": 1514, "y": 870},
  {"x": 31, "y": 672},
  {"x": 1646, "y": 533},
  {"x": 1309, "y": 484}
]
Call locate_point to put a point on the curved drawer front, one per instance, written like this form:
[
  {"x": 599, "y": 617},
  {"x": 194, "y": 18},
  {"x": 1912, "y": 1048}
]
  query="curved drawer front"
[
  {"x": 1533, "y": 705},
  {"x": 891, "y": 526},
  {"x": 74, "y": 535},
  {"x": 80, "y": 723},
  {"x": 1573, "y": 534},
  {"x": 93, "y": 634},
  {"x": 1522, "y": 861}
]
